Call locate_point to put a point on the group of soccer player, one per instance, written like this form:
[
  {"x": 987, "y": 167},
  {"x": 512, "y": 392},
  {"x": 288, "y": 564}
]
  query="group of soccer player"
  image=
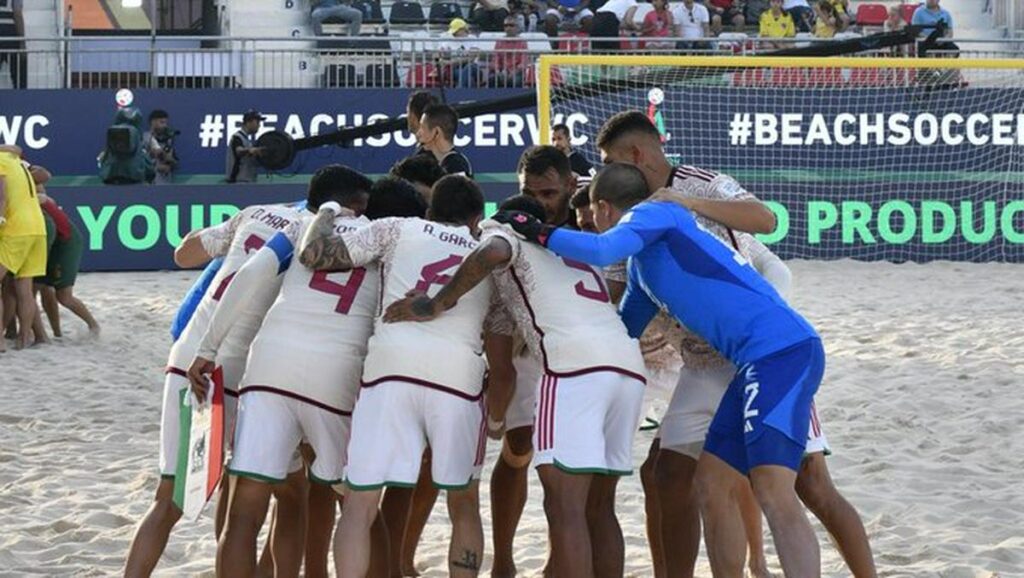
[
  {"x": 372, "y": 337},
  {"x": 40, "y": 252}
]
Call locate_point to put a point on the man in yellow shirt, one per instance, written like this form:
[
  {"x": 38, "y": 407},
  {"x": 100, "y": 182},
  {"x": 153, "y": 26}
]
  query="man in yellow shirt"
[
  {"x": 776, "y": 23},
  {"x": 22, "y": 237}
]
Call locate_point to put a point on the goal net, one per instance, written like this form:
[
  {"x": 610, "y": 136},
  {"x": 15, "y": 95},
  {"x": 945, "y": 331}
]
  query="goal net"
[{"x": 869, "y": 158}]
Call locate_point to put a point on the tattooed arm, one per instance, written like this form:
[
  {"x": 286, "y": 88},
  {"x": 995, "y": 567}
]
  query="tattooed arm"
[
  {"x": 491, "y": 255},
  {"x": 320, "y": 247}
]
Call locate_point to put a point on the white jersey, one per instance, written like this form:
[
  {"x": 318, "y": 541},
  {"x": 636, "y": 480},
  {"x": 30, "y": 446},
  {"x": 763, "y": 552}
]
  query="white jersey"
[
  {"x": 564, "y": 312},
  {"x": 314, "y": 336},
  {"x": 236, "y": 240},
  {"x": 445, "y": 353}
]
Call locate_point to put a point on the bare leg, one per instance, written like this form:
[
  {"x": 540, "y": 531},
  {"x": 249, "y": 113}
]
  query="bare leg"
[
  {"x": 751, "y": 512},
  {"x": 265, "y": 565},
  {"x": 26, "y": 310},
  {"x": 607, "y": 546},
  {"x": 236, "y": 554},
  {"x": 652, "y": 509},
  {"x": 322, "y": 508},
  {"x": 466, "y": 552},
  {"x": 8, "y": 308},
  {"x": 508, "y": 497},
  {"x": 66, "y": 297},
  {"x": 565, "y": 504},
  {"x": 723, "y": 526},
  {"x": 352, "y": 537},
  {"x": 38, "y": 330},
  {"x": 394, "y": 508},
  {"x": 151, "y": 537},
  {"x": 794, "y": 538},
  {"x": 288, "y": 540},
  {"x": 423, "y": 498},
  {"x": 817, "y": 491},
  {"x": 680, "y": 513},
  {"x": 380, "y": 551},
  {"x": 50, "y": 305}
]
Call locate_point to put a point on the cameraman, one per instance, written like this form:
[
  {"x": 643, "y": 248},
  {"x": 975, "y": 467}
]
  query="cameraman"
[{"x": 158, "y": 142}]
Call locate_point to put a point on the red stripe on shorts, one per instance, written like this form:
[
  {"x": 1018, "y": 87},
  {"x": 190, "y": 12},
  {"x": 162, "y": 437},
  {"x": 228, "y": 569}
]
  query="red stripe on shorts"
[
  {"x": 542, "y": 413},
  {"x": 481, "y": 439},
  {"x": 815, "y": 425}
]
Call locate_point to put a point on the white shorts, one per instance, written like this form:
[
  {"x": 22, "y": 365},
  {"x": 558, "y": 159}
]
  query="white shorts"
[
  {"x": 816, "y": 440},
  {"x": 170, "y": 420},
  {"x": 270, "y": 428},
  {"x": 585, "y": 423},
  {"x": 394, "y": 422},
  {"x": 522, "y": 408},
  {"x": 692, "y": 407}
]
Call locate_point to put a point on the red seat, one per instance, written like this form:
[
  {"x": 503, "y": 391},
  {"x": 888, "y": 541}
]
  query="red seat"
[
  {"x": 789, "y": 77},
  {"x": 872, "y": 14},
  {"x": 423, "y": 75},
  {"x": 824, "y": 77},
  {"x": 574, "y": 42},
  {"x": 907, "y": 11}
]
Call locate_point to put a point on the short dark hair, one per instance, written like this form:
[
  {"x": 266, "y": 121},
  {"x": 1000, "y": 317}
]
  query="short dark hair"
[
  {"x": 456, "y": 199},
  {"x": 443, "y": 117},
  {"x": 525, "y": 204},
  {"x": 394, "y": 197},
  {"x": 420, "y": 100},
  {"x": 625, "y": 123},
  {"x": 157, "y": 114},
  {"x": 560, "y": 127},
  {"x": 536, "y": 160},
  {"x": 336, "y": 183},
  {"x": 621, "y": 184},
  {"x": 422, "y": 168},
  {"x": 580, "y": 199}
]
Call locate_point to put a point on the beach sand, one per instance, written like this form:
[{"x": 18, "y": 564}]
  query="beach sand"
[{"x": 922, "y": 403}]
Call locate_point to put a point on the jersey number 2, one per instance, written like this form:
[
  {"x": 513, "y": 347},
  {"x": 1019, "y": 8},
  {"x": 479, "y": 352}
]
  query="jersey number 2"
[
  {"x": 346, "y": 292},
  {"x": 600, "y": 294}
]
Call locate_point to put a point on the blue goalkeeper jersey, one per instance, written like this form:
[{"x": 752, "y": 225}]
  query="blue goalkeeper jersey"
[{"x": 677, "y": 265}]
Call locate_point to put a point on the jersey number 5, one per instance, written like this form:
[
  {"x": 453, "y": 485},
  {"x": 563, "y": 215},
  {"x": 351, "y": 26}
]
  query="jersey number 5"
[
  {"x": 346, "y": 291},
  {"x": 600, "y": 294},
  {"x": 433, "y": 273}
]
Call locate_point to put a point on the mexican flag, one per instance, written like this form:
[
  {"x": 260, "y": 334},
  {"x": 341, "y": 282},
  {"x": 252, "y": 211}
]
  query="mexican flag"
[{"x": 200, "y": 448}]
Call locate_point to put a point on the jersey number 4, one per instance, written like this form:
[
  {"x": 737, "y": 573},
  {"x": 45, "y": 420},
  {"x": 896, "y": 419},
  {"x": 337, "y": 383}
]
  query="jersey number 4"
[
  {"x": 433, "y": 273},
  {"x": 346, "y": 291},
  {"x": 600, "y": 294}
]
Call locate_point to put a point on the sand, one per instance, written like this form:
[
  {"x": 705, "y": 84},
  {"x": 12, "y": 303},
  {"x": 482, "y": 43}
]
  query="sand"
[{"x": 922, "y": 403}]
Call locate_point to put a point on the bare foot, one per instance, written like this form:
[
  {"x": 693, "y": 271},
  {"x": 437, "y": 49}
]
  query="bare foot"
[
  {"x": 94, "y": 331},
  {"x": 409, "y": 570},
  {"x": 759, "y": 572}
]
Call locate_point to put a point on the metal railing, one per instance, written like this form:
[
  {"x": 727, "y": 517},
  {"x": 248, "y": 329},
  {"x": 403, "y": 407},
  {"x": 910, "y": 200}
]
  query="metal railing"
[{"x": 362, "y": 62}]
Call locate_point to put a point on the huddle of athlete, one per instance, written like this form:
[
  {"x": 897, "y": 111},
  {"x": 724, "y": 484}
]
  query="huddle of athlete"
[
  {"x": 372, "y": 338},
  {"x": 40, "y": 251}
]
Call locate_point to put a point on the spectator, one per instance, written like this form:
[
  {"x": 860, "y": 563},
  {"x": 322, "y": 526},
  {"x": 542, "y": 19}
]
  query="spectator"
[
  {"x": 753, "y": 9},
  {"x": 489, "y": 15},
  {"x": 243, "y": 154},
  {"x": 930, "y": 15},
  {"x": 460, "y": 56},
  {"x": 437, "y": 135},
  {"x": 418, "y": 102},
  {"x": 801, "y": 12},
  {"x": 826, "y": 20},
  {"x": 895, "y": 21},
  {"x": 777, "y": 24},
  {"x": 420, "y": 170},
  {"x": 561, "y": 12},
  {"x": 561, "y": 138},
  {"x": 12, "y": 42},
  {"x": 726, "y": 12},
  {"x": 158, "y": 143},
  {"x": 842, "y": 8},
  {"x": 338, "y": 10},
  {"x": 609, "y": 20},
  {"x": 658, "y": 24},
  {"x": 510, "y": 59},
  {"x": 692, "y": 22},
  {"x": 526, "y": 13}
]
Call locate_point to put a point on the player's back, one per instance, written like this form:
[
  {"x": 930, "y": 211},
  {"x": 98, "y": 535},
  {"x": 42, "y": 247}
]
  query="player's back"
[
  {"x": 445, "y": 352},
  {"x": 713, "y": 290},
  {"x": 22, "y": 212},
  {"x": 317, "y": 328},
  {"x": 564, "y": 311},
  {"x": 256, "y": 225}
]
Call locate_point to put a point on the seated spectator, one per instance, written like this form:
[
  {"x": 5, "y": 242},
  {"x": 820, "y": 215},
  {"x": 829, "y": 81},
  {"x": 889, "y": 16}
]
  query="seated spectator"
[
  {"x": 566, "y": 14},
  {"x": 510, "y": 59},
  {"x": 692, "y": 22},
  {"x": 336, "y": 9},
  {"x": 527, "y": 13},
  {"x": 826, "y": 21},
  {"x": 801, "y": 12},
  {"x": 895, "y": 23},
  {"x": 753, "y": 9},
  {"x": 726, "y": 12},
  {"x": 614, "y": 17},
  {"x": 930, "y": 15},
  {"x": 842, "y": 8},
  {"x": 460, "y": 57},
  {"x": 777, "y": 24},
  {"x": 488, "y": 15},
  {"x": 658, "y": 24}
]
